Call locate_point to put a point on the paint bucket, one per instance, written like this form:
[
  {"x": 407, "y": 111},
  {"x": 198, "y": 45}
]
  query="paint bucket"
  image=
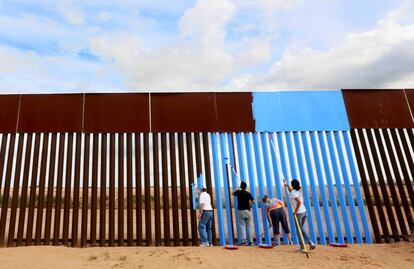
[{"x": 231, "y": 247}]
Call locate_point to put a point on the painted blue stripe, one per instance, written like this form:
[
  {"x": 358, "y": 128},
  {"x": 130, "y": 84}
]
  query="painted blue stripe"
[
  {"x": 261, "y": 175},
  {"x": 235, "y": 183},
  {"x": 226, "y": 189},
  {"x": 193, "y": 196},
  {"x": 312, "y": 180},
  {"x": 266, "y": 149},
  {"x": 325, "y": 205},
  {"x": 252, "y": 180},
  {"x": 341, "y": 165},
  {"x": 304, "y": 179},
  {"x": 278, "y": 176},
  {"x": 288, "y": 177},
  {"x": 217, "y": 179},
  {"x": 355, "y": 179},
  {"x": 299, "y": 111},
  {"x": 338, "y": 175},
  {"x": 329, "y": 178}
]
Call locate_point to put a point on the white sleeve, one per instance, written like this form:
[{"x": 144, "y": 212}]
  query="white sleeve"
[
  {"x": 294, "y": 194},
  {"x": 203, "y": 199}
]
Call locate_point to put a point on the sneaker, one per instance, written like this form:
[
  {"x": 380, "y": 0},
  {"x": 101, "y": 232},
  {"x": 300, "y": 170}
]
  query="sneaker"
[
  {"x": 204, "y": 245},
  {"x": 301, "y": 250},
  {"x": 250, "y": 244},
  {"x": 242, "y": 244},
  {"x": 275, "y": 244},
  {"x": 312, "y": 246}
]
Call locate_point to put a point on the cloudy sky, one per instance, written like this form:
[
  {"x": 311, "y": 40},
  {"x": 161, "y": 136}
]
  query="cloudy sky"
[{"x": 204, "y": 45}]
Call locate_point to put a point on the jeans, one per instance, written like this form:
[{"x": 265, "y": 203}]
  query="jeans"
[
  {"x": 204, "y": 227},
  {"x": 302, "y": 220},
  {"x": 245, "y": 223}
]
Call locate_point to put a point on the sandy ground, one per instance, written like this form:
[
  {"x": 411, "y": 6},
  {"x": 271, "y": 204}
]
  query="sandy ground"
[{"x": 400, "y": 255}]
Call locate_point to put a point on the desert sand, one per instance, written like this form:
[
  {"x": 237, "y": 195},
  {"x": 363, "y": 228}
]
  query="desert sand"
[{"x": 399, "y": 255}]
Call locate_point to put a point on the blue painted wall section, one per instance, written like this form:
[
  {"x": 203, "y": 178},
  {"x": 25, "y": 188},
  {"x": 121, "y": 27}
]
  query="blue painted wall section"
[{"x": 299, "y": 111}]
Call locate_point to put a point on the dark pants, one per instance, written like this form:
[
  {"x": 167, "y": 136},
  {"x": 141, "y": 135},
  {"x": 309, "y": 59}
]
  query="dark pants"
[{"x": 279, "y": 215}]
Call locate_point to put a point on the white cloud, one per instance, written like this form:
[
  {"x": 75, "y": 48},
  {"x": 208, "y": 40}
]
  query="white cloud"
[
  {"x": 207, "y": 20},
  {"x": 71, "y": 11},
  {"x": 379, "y": 58}
]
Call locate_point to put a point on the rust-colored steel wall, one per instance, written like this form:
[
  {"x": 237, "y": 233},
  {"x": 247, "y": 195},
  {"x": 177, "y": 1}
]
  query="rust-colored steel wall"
[
  {"x": 234, "y": 112},
  {"x": 9, "y": 106},
  {"x": 377, "y": 109},
  {"x": 50, "y": 113},
  {"x": 179, "y": 112},
  {"x": 116, "y": 113}
]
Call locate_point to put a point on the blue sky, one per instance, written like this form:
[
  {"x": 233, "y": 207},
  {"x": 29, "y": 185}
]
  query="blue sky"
[{"x": 204, "y": 45}]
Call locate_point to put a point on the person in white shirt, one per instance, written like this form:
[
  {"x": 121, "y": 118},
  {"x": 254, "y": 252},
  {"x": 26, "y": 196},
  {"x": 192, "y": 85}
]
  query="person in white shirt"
[
  {"x": 205, "y": 218},
  {"x": 299, "y": 209}
]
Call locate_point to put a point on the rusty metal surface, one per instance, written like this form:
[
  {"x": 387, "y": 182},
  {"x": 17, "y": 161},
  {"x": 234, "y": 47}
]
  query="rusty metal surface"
[
  {"x": 234, "y": 112},
  {"x": 51, "y": 113},
  {"x": 377, "y": 109},
  {"x": 9, "y": 106},
  {"x": 180, "y": 112},
  {"x": 116, "y": 113}
]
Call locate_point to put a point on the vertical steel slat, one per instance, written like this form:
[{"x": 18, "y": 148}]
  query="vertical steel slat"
[
  {"x": 174, "y": 190},
  {"x": 193, "y": 218},
  {"x": 285, "y": 166},
  {"x": 58, "y": 202},
  {"x": 217, "y": 185},
  {"x": 94, "y": 192},
  {"x": 208, "y": 177},
  {"x": 230, "y": 151},
  {"x": 297, "y": 142},
  {"x": 41, "y": 196},
  {"x": 373, "y": 183},
  {"x": 112, "y": 191},
  {"x": 2, "y": 157},
  {"x": 165, "y": 192},
  {"x": 183, "y": 195},
  {"x": 382, "y": 147},
  {"x": 390, "y": 139},
  {"x": 342, "y": 180},
  {"x": 32, "y": 198},
  {"x": 85, "y": 190},
  {"x": 68, "y": 188},
  {"x": 277, "y": 164},
  {"x": 257, "y": 150},
  {"x": 50, "y": 188},
  {"x": 403, "y": 150},
  {"x": 120, "y": 189},
  {"x": 138, "y": 188},
  {"x": 310, "y": 161},
  {"x": 291, "y": 163},
  {"x": 148, "y": 231},
  {"x": 380, "y": 174},
  {"x": 340, "y": 166},
  {"x": 328, "y": 155},
  {"x": 353, "y": 172},
  {"x": 157, "y": 206},
  {"x": 6, "y": 193},
  {"x": 246, "y": 174},
  {"x": 76, "y": 186},
  {"x": 130, "y": 230},
  {"x": 224, "y": 176},
  {"x": 322, "y": 178},
  {"x": 102, "y": 198},
  {"x": 360, "y": 158},
  {"x": 16, "y": 185},
  {"x": 343, "y": 167},
  {"x": 251, "y": 163}
]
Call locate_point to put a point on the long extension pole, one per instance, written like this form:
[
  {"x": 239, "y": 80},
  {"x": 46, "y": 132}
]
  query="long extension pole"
[{"x": 291, "y": 204}]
